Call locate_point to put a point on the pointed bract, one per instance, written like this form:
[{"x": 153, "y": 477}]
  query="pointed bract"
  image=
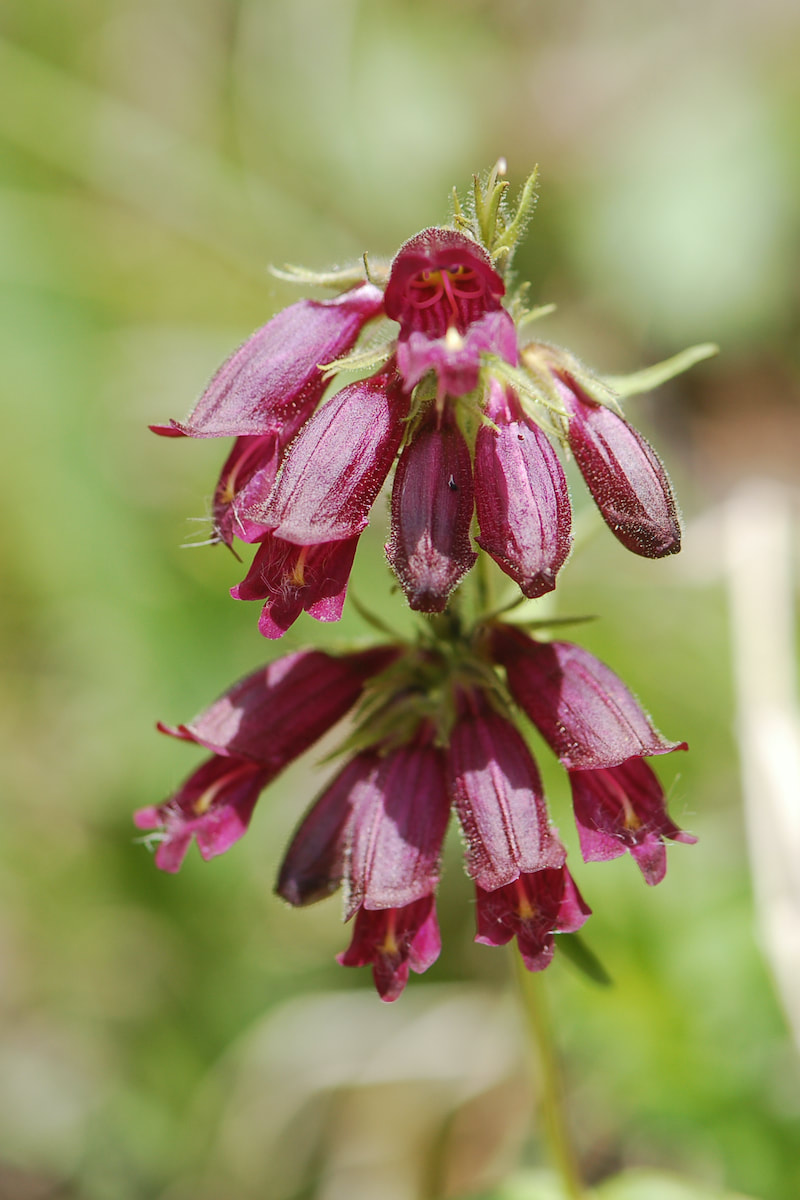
[
  {"x": 429, "y": 549},
  {"x": 532, "y": 909},
  {"x": 293, "y": 579},
  {"x": 521, "y": 498},
  {"x": 394, "y": 940},
  {"x": 624, "y": 474},
  {"x": 336, "y": 465},
  {"x": 497, "y": 793},
  {"x": 274, "y": 378},
  {"x": 582, "y": 709},
  {"x": 624, "y": 808}
]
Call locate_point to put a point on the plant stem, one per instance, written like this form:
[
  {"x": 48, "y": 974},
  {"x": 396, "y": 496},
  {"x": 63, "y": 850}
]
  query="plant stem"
[{"x": 537, "y": 1018}]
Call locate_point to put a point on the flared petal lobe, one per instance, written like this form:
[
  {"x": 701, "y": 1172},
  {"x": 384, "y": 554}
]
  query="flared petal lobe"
[
  {"x": 532, "y": 909},
  {"x": 446, "y": 295},
  {"x": 394, "y": 940},
  {"x": 521, "y": 499},
  {"x": 624, "y": 474},
  {"x": 582, "y": 709},
  {"x": 274, "y": 379},
  {"x": 497, "y": 793},
  {"x": 429, "y": 549},
  {"x": 293, "y": 579},
  {"x": 336, "y": 465},
  {"x": 214, "y": 806},
  {"x": 624, "y": 808}
]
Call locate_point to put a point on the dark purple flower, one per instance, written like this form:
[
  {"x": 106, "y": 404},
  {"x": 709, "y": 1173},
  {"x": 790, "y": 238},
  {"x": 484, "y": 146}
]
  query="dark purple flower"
[
  {"x": 532, "y": 908},
  {"x": 497, "y": 793},
  {"x": 582, "y": 709},
  {"x": 253, "y": 731},
  {"x": 336, "y": 465},
  {"x": 274, "y": 379},
  {"x": 624, "y": 474},
  {"x": 521, "y": 496},
  {"x": 446, "y": 296},
  {"x": 394, "y": 940},
  {"x": 429, "y": 549},
  {"x": 293, "y": 579},
  {"x": 378, "y": 826},
  {"x": 623, "y": 808}
]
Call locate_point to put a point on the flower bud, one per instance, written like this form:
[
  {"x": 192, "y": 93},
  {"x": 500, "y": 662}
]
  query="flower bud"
[
  {"x": 429, "y": 549},
  {"x": 624, "y": 474}
]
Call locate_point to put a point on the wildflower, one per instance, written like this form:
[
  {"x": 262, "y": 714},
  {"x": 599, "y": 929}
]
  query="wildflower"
[
  {"x": 601, "y": 734},
  {"x": 455, "y": 385},
  {"x": 253, "y": 731},
  {"x": 532, "y": 908}
]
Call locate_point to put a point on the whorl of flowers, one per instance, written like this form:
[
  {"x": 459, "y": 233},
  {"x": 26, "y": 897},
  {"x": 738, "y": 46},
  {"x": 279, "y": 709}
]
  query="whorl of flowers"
[{"x": 470, "y": 413}]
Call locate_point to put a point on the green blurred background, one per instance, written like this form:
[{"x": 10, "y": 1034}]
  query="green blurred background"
[{"x": 190, "y": 1037}]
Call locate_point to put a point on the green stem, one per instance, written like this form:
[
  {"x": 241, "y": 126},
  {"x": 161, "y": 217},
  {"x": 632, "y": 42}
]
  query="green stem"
[{"x": 537, "y": 1018}]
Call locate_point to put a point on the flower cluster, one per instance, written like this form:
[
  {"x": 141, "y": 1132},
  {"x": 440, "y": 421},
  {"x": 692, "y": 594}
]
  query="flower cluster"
[
  {"x": 461, "y": 395},
  {"x": 470, "y": 414},
  {"x": 436, "y": 733}
]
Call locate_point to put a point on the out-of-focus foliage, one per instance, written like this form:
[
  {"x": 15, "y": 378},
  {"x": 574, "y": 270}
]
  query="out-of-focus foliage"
[{"x": 190, "y": 1036}]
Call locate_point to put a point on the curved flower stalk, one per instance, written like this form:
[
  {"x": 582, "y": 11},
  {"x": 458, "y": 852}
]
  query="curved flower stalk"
[{"x": 456, "y": 388}]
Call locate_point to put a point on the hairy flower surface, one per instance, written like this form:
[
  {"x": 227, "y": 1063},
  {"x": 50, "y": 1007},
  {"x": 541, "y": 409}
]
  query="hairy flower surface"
[{"x": 463, "y": 399}]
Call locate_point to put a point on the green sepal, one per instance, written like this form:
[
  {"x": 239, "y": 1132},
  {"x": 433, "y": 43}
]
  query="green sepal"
[
  {"x": 342, "y": 279},
  {"x": 652, "y": 377},
  {"x": 579, "y": 954}
]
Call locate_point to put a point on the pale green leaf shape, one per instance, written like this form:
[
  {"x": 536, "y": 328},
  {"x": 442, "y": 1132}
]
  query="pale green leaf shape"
[
  {"x": 637, "y": 1184},
  {"x": 652, "y": 377}
]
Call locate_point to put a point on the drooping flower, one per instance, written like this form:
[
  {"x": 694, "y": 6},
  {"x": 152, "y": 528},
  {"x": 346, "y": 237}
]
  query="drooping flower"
[
  {"x": 451, "y": 380},
  {"x": 623, "y": 808},
  {"x": 253, "y": 731},
  {"x": 602, "y": 735},
  {"x": 533, "y": 908}
]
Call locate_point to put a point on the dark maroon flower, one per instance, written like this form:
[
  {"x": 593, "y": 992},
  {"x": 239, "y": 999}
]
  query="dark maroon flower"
[
  {"x": 293, "y": 579},
  {"x": 581, "y": 708},
  {"x": 253, "y": 731},
  {"x": 336, "y": 465},
  {"x": 429, "y": 549},
  {"x": 274, "y": 379},
  {"x": 497, "y": 793},
  {"x": 624, "y": 474},
  {"x": 378, "y": 826},
  {"x": 623, "y": 808},
  {"x": 394, "y": 940},
  {"x": 532, "y": 909},
  {"x": 521, "y": 496},
  {"x": 446, "y": 295}
]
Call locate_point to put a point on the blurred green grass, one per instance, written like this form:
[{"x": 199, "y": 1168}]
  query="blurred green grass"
[{"x": 154, "y": 159}]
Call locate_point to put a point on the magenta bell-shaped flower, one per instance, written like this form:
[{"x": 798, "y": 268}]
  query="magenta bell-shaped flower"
[
  {"x": 446, "y": 295},
  {"x": 601, "y": 734},
  {"x": 394, "y": 941},
  {"x": 254, "y": 730},
  {"x": 273, "y": 380},
  {"x": 497, "y": 793},
  {"x": 429, "y": 549},
  {"x": 521, "y": 496}
]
